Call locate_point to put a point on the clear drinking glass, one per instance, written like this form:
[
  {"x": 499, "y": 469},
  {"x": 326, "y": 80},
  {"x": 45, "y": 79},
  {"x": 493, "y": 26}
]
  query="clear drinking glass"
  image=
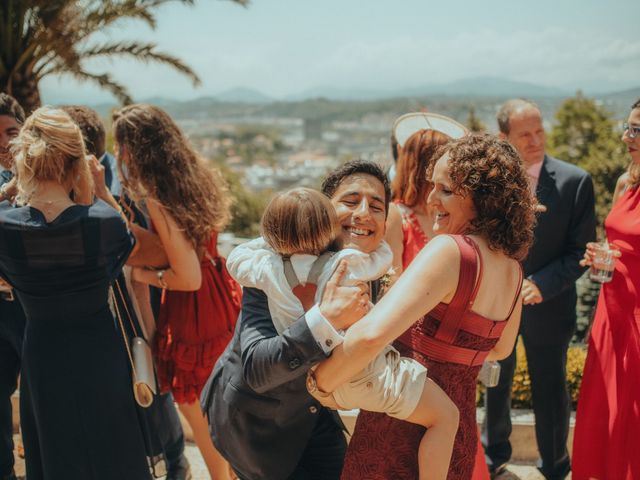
[{"x": 603, "y": 264}]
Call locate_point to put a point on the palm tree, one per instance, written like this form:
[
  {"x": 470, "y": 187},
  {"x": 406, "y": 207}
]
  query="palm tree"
[{"x": 52, "y": 37}]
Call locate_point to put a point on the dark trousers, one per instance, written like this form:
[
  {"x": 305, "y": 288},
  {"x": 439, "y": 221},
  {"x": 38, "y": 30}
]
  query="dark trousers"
[
  {"x": 12, "y": 324},
  {"x": 167, "y": 423},
  {"x": 551, "y": 406},
  {"x": 323, "y": 456}
]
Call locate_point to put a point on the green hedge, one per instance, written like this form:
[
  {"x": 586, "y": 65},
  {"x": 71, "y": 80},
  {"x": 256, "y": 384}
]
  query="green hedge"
[{"x": 521, "y": 391}]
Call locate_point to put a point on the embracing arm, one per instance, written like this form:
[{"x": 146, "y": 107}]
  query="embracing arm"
[
  {"x": 184, "y": 266},
  {"x": 431, "y": 278},
  {"x": 503, "y": 348},
  {"x": 269, "y": 359},
  {"x": 394, "y": 237}
]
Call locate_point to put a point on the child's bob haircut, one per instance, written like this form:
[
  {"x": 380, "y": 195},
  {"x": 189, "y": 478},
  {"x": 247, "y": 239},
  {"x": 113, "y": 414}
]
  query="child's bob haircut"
[{"x": 301, "y": 220}]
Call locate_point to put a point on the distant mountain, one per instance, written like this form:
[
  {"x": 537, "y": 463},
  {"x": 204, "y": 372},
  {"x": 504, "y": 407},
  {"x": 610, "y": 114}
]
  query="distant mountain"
[
  {"x": 630, "y": 95},
  {"x": 243, "y": 95},
  {"x": 493, "y": 87},
  {"x": 340, "y": 94},
  {"x": 475, "y": 87}
]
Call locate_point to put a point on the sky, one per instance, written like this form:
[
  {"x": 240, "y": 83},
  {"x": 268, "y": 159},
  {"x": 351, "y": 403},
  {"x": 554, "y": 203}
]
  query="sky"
[{"x": 284, "y": 47}]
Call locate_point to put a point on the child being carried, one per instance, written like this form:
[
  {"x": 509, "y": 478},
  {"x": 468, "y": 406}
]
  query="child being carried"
[{"x": 297, "y": 254}]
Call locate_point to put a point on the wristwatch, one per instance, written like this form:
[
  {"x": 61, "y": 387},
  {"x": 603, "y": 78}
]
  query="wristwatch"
[{"x": 312, "y": 385}]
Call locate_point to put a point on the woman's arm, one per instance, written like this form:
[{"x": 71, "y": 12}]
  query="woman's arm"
[
  {"x": 431, "y": 278},
  {"x": 503, "y": 348},
  {"x": 184, "y": 266},
  {"x": 621, "y": 187},
  {"x": 394, "y": 237}
]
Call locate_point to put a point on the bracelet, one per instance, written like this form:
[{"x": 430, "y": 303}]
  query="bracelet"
[{"x": 161, "y": 280}]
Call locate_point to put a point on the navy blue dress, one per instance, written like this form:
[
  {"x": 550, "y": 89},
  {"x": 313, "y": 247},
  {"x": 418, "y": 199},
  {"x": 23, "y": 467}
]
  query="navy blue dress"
[{"x": 78, "y": 415}]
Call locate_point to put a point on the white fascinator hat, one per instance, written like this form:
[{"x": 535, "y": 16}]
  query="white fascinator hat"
[{"x": 410, "y": 123}]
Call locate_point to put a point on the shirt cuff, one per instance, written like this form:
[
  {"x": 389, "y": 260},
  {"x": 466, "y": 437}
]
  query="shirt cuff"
[{"x": 327, "y": 337}]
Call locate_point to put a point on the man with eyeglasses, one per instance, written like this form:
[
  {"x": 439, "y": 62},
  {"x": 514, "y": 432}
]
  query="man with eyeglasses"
[{"x": 551, "y": 269}]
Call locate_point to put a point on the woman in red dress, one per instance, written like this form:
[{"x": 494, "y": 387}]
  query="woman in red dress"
[
  {"x": 188, "y": 204},
  {"x": 606, "y": 444},
  {"x": 487, "y": 228},
  {"x": 409, "y": 227}
]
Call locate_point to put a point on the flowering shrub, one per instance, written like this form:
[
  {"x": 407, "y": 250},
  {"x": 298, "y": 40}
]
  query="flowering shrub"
[{"x": 521, "y": 390}]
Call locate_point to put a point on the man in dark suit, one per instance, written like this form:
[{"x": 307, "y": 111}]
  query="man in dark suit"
[
  {"x": 566, "y": 224},
  {"x": 262, "y": 420},
  {"x": 12, "y": 319}
]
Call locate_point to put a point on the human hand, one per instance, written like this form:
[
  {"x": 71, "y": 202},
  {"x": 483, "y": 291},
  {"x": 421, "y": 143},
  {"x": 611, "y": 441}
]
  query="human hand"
[
  {"x": 592, "y": 248},
  {"x": 343, "y": 306},
  {"x": 530, "y": 293},
  {"x": 97, "y": 172},
  {"x": 9, "y": 190},
  {"x": 539, "y": 208}
]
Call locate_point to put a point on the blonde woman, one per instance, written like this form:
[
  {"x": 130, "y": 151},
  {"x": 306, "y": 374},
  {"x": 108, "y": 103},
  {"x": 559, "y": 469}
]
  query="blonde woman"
[
  {"x": 78, "y": 416},
  {"x": 188, "y": 205}
]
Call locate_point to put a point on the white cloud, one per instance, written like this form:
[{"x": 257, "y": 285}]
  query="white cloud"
[{"x": 562, "y": 57}]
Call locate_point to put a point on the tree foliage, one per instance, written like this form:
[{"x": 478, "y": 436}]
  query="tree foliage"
[
  {"x": 247, "y": 206},
  {"x": 51, "y": 37},
  {"x": 585, "y": 134},
  {"x": 474, "y": 124}
]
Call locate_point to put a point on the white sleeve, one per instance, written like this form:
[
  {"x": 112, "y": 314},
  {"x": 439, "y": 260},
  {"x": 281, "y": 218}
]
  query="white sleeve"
[
  {"x": 250, "y": 262},
  {"x": 327, "y": 337}
]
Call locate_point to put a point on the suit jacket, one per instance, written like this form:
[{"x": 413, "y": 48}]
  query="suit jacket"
[
  {"x": 560, "y": 240},
  {"x": 260, "y": 414}
]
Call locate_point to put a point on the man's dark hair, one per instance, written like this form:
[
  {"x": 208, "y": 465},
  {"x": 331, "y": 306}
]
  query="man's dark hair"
[
  {"x": 508, "y": 108},
  {"x": 91, "y": 127},
  {"x": 337, "y": 176},
  {"x": 636, "y": 105},
  {"x": 10, "y": 107}
]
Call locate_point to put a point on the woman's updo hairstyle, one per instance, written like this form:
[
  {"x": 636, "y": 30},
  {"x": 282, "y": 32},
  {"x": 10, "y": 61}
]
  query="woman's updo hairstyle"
[{"x": 49, "y": 147}]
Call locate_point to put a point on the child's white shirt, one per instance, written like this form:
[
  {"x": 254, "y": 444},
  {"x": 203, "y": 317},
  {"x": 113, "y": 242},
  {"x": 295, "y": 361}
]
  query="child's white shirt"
[{"x": 254, "y": 264}]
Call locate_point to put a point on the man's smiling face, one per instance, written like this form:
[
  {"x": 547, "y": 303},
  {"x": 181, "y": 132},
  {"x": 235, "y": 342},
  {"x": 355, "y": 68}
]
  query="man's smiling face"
[{"x": 359, "y": 201}]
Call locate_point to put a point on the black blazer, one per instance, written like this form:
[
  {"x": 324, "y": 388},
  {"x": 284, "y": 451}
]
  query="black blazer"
[
  {"x": 260, "y": 414},
  {"x": 560, "y": 235}
]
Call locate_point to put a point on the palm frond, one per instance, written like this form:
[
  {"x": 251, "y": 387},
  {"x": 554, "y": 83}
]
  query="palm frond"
[
  {"x": 105, "y": 81},
  {"x": 145, "y": 52}
]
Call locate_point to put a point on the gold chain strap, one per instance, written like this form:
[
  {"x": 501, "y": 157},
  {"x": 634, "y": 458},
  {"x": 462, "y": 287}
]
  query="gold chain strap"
[
  {"x": 126, "y": 309},
  {"x": 124, "y": 335}
]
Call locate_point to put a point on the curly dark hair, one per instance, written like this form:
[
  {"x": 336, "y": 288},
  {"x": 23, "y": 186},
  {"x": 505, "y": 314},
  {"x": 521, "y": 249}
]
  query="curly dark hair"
[
  {"x": 491, "y": 171},
  {"x": 352, "y": 167},
  {"x": 162, "y": 164},
  {"x": 10, "y": 107},
  {"x": 91, "y": 127}
]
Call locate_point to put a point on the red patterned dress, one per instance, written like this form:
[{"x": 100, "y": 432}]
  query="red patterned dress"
[
  {"x": 195, "y": 327},
  {"x": 452, "y": 341},
  {"x": 606, "y": 443}
]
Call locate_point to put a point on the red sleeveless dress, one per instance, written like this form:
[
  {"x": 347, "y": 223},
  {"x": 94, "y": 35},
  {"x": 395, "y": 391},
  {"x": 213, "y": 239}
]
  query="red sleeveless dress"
[
  {"x": 606, "y": 443},
  {"x": 413, "y": 237},
  {"x": 452, "y": 342},
  {"x": 195, "y": 327}
]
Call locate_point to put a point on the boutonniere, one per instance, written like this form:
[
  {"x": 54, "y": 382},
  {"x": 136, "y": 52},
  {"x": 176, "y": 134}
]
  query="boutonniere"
[{"x": 386, "y": 281}]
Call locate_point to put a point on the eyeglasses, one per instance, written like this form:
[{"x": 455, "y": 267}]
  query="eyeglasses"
[{"x": 632, "y": 131}]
